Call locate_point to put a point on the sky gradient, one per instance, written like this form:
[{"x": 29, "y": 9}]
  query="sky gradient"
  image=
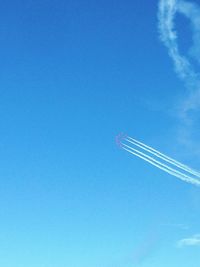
[{"x": 74, "y": 74}]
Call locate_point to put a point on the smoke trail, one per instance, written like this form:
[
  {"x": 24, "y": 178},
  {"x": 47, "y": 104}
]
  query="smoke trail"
[
  {"x": 166, "y": 16},
  {"x": 168, "y": 34},
  {"x": 160, "y": 164},
  {"x": 162, "y": 156},
  {"x": 180, "y": 171},
  {"x": 184, "y": 178},
  {"x": 184, "y": 67}
]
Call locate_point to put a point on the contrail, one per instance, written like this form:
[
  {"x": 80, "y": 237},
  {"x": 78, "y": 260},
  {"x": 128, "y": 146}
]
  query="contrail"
[
  {"x": 166, "y": 18},
  {"x": 160, "y": 164},
  {"x": 157, "y": 162},
  {"x": 184, "y": 178},
  {"x": 162, "y": 156},
  {"x": 168, "y": 9}
]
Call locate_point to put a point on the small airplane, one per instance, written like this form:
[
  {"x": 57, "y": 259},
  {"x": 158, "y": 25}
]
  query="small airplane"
[{"x": 119, "y": 138}]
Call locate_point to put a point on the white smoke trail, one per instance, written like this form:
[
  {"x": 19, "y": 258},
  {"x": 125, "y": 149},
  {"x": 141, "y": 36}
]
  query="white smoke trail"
[
  {"x": 166, "y": 16},
  {"x": 159, "y": 163},
  {"x": 184, "y": 178},
  {"x": 162, "y": 156},
  {"x": 184, "y": 66}
]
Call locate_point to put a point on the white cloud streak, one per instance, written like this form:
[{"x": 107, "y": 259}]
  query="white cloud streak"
[
  {"x": 162, "y": 156},
  {"x": 184, "y": 66},
  {"x": 160, "y": 160},
  {"x": 192, "y": 241},
  {"x": 168, "y": 34}
]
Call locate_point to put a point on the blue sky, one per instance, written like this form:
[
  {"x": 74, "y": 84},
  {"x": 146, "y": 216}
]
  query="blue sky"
[{"x": 73, "y": 75}]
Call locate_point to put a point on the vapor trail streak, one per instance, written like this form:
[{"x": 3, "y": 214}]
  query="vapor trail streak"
[
  {"x": 184, "y": 63},
  {"x": 162, "y": 156},
  {"x": 158, "y": 162},
  {"x": 161, "y": 166}
]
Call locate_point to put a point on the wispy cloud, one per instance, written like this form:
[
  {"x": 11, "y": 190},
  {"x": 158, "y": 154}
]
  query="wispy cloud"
[
  {"x": 192, "y": 241},
  {"x": 183, "y": 64},
  {"x": 168, "y": 34}
]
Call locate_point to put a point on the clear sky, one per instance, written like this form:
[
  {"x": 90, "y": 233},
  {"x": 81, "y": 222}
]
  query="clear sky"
[{"x": 73, "y": 75}]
